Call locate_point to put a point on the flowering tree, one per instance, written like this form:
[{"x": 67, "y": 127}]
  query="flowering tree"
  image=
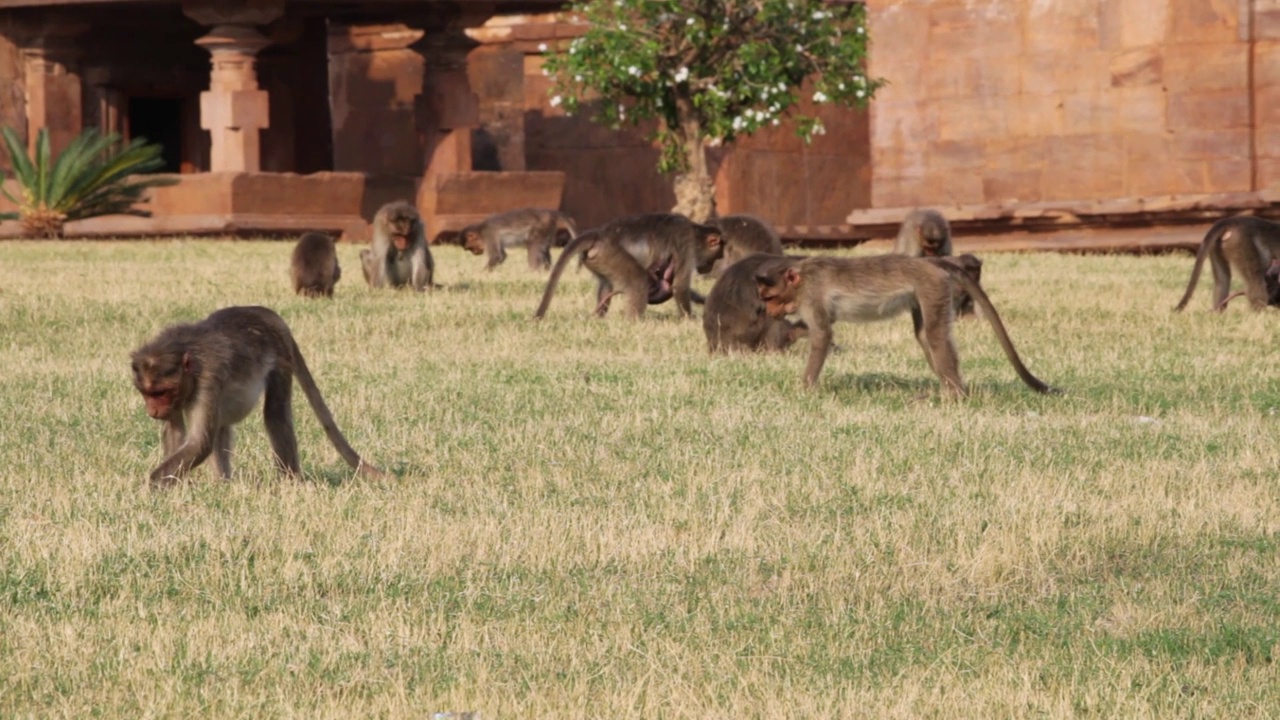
[{"x": 709, "y": 71}]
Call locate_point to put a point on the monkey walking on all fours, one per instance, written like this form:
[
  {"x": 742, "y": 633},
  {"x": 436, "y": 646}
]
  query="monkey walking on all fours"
[
  {"x": 200, "y": 379},
  {"x": 535, "y": 228},
  {"x": 1249, "y": 244}
]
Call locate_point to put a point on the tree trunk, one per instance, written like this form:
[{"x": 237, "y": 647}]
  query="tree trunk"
[{"x": 695, "y": 192}]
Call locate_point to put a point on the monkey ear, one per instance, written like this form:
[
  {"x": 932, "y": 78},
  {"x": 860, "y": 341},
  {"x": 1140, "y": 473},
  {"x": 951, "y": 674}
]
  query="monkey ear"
[
  {"x": 713, "y": 239},
  {"x": 791, "y": 276},
  {"x": 186, "y": 362}
]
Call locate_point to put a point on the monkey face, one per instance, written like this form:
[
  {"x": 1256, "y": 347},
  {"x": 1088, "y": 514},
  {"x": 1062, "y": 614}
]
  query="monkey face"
[
  {"x": 159, "y": 391},
  {"x": 779, "y": 292},
  {"x": 471, "y": 241},
  {"x": 710, "y": 249}
]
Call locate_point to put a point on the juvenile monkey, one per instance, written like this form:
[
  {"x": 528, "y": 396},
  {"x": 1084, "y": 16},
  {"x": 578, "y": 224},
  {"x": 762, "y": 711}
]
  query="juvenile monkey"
[
  {"x": 745, "y": 235},
  {"x": 924, "y": 233},
  {"x": 314, "y": 266},
  {"x": 970, "y": 265},
  {"x": 200, "y": 379},
  {"x": 825, "y": 290},
  {"x": 535, "y": 228},
  {"x": 735, "y": 316},
  {"x": 1246, "y": 242},
  {"x": 399, "y": 254},
  {"x": 631, "y": 254}
]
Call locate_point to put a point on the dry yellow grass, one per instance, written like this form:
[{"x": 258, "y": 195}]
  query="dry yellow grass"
[{"x": 595, "y": 519}]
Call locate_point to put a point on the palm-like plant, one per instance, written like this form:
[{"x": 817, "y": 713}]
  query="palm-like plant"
[{"x": 90, "y": 177}]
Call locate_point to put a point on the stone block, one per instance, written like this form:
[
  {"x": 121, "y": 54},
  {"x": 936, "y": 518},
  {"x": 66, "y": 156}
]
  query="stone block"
[
  {"x": 1201, "y": 21},
  {"x": 1209, "y": 109},
  {"x": 964, "y": 32},
  {"x": 1228, "y": 174},
  {"x": 1267, "y": 142},
  {"x": 1083, "y": 166},
  {"x": 1065, "y": 25},
  {"x": 1052, "y": 73},
  {"x": 1266, "y": 18},
  {"x": 1267, "y": 104},
  {"x": 1138, "y": 67},
  {"x": 1209, "y": 144},
  {"x": 237, "y": 109},
  {"x": 966, "y": 119},
  {"x": 1266, "y": 63},
  {"x": 1139, "y": 109},
  {"x": 1037, "y": 115},
  {"x": 1207, "y": 66},
  {"x": 1268, "y": 170},
  {"x": 955, "y": 156},
  {"x": 898, "y": 191},
  {"x": 1017, "y": 186},
  {"x": 1088, "y": 113},
  {"x": 1133, "y": 23}
]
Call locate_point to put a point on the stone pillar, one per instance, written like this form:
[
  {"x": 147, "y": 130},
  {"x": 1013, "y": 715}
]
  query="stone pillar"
[
  {"x": 447, "y": 110},
  {"x": 53, "y": 90},
  {"x": 234, "y": 109}
]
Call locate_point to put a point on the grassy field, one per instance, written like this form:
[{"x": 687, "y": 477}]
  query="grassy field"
[{"x": 595, "y": 519}]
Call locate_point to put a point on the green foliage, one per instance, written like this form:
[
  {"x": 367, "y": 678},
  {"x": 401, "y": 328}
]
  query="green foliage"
[
  {"x": 716, "y": 69},
  {"x": 91, "y": 177}
]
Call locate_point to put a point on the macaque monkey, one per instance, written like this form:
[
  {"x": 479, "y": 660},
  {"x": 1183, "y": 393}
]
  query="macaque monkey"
[
  {"x": 535, "y": 228},
  {"x": 399, "y": 255},
  {"x": 924, "y": 233},
  {"x": 631, "y": 254},
  {"x": 1271, "y": 279},
  {"x": 202, "y": 378},
  {"x": 745, "y": 235},
  {"x": 735, "y": 317},
  {"x": 970, "y": 265},
  {"x": 825, "y": 290},
  {"x": 314, "y": 266},
  {"x": 1246, "y": 242}
]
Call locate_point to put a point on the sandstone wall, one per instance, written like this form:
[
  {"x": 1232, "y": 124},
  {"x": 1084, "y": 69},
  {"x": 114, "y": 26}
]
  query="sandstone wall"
[{"x": 1031, "y": 100}]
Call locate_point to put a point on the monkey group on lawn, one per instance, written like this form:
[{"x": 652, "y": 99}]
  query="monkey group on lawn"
[{"x": 200, "y": 379}]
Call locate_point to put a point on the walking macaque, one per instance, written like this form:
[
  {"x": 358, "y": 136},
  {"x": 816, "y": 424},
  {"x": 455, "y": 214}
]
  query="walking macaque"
[
  {"x": 1271, "y": 279},
  {"x": 314, "y": 266},
  {"x": 631, "y": 254},
  {"x": 735, "y": 316},
  {"x": 824, "y": 290},
  {"x": 1246, "y": 242},
  {"x": 202, "y": 378},
  {"x": 924, "y": 233},
  {"x": 745, "y": 235},
  {"x": 399, "y": 255},
  {"x": 535, "y": 228}
]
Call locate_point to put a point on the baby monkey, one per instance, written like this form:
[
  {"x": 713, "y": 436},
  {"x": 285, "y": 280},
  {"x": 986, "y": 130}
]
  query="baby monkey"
[{"x": 535, "y": 228}]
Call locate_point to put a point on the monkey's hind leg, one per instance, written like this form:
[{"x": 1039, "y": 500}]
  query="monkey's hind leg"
[
  {"x": 277, "y": 412},
  {"x": 222, "y": 451},
  {"x": 933, "y": 332}
]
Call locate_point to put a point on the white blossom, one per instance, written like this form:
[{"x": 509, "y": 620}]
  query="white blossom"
[
  {"x": 775, "y": 122},
  {"x": 633, "y": 70},
  {"x": 862, "y": 30},
  {"x": 861, "y": 93},
  {"x": 622, "y": 27},
  {"x": 819, "y": 128},
  {"x": 818, "y": 15},
  {"x": 682, "y": 74},
  {"x": 555, "y": 101},
  {"x": 542, "y": 47},
  {"x": 689, "y": 21},
  {"x": 819, "y": 97}
]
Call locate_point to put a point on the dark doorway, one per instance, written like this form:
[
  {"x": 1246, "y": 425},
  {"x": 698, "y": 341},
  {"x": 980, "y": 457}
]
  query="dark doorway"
[{"x": 159, "y": 120}]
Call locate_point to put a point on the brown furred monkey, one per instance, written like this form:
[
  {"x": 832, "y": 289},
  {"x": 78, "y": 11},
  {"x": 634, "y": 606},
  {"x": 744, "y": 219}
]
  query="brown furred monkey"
[
  {"x": 735, "y": 318},
  {"x": 970, "y": 265},
  {"x": 1271, "y": 279},
  {"x": 202, "y": 378},
  {"x": 924, "y": 233},
  {"x": 630, "y": 254},
  {"x": 744, "y": 235},
  {"x": 825, "y": 290},
  {"x": 399, "y": 254},
  {"x": 535, "y": 228},
  {"x": 1248, "y": 243},
  {"x": 314, "y": 266}
]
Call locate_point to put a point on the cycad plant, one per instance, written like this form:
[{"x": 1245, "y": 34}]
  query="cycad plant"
[{"x": 90, "y": 177}]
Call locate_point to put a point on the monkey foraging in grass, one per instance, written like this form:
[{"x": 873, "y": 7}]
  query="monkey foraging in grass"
[
  {"x": 631, "y": 254},
  {"x": 1250, "y": 245},
  {"x": 399, "y": 254},
  {"x": 825, "y": 290},
  {"x": 1270, "y": 279},
  {"x": 314, "y": 266},
  {"x": 735, "y": 317},
  {"x": 744, "y": 235},
  {"x": 535, "y": 228},
  {"x": 200, "y": 379},
  {"x": 924, "y": 233}
]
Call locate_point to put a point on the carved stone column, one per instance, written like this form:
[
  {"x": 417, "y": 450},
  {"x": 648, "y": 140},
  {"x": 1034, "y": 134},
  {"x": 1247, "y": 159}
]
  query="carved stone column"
[
  {"x": 53, "y": 90},
  {"x": 234, "y": 109}
]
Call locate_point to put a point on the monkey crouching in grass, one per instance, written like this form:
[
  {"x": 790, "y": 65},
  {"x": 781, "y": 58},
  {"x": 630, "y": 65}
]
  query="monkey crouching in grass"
[
  {"x": 200, "y": 379},
  {"x": 314, "y": 266},
  {"x": 635, "y": 256},
  {"x": 1250, "y": 245},
  {"x": 535, "y": 228},
  {"x": 735, "y": 318},
  {"x": 398, "y": 255},
  {"x": 924, "y": 233},
  {"x": 825, "y": 290}
]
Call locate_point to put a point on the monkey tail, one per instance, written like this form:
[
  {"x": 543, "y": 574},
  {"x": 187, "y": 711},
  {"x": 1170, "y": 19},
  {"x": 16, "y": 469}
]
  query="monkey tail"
[
  {"x": 567, "y": 223},
  {"x": 325, "y": 417},
  {"x": 989, "y": 312},
  {"x": 1213, "y": 236},
  {"x": 576, "y": 247}
]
